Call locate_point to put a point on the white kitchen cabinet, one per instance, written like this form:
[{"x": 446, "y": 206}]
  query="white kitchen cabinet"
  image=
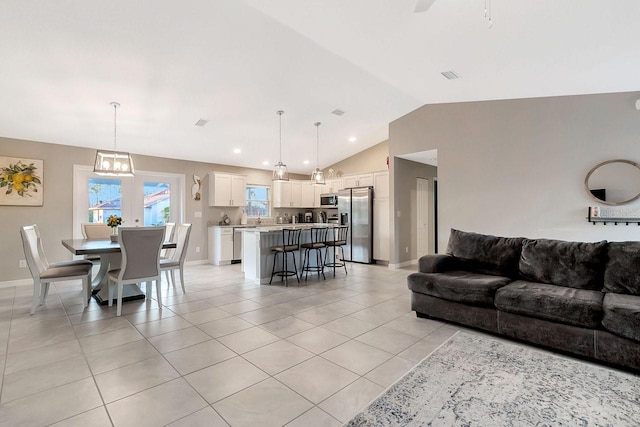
[
  {"x": 226, "y": 189},
  {"x": 360, "y": 180},
  {"x": 381, "y": 231},
  {"x": 307, "y": 194},
  {"x": 317, "y": 191},
  {"x": 296, "y": 194},
  {"x": 334, "y": 185},
  {"x": 282, "y": 194},
  {"x": 381, "y": 184},
  {"x": 220, "y": 245}
]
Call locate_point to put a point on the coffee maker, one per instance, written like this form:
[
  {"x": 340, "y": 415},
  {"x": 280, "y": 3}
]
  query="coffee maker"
[{"x": 308, "y": 216}]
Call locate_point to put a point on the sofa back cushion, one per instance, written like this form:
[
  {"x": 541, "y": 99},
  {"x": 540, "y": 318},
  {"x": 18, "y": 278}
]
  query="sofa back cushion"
[
  {"x": 485, "y": 254},
  {"x": 573, "y": 264},
  {"x": 622, "y": 273}
]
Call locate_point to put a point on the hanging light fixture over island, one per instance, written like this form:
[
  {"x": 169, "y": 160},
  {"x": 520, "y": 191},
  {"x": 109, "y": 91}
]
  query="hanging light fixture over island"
[
  {"x": 317, "y": 177},
  {"x": 280, "y": 172}
]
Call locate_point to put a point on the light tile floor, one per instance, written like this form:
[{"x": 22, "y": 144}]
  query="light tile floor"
[{"x": 228, "y": 352}]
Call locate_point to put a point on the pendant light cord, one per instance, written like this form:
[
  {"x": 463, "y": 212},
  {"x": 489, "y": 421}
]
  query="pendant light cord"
[
  {"x": 318, "y": 145},
  {"x": 280, "y": 113},
  {"x": 115, "y": 121}
]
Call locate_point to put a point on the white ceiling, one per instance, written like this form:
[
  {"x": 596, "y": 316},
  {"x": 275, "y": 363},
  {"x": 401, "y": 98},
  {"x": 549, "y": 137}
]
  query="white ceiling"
[{"x": 235, "y": 63}]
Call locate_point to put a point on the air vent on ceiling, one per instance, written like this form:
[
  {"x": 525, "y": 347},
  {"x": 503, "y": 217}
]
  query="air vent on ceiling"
[
  {"x": 337, "y": 112},
  {"x": 451, "y": 75},
  {"x": 202, "y": 122}
]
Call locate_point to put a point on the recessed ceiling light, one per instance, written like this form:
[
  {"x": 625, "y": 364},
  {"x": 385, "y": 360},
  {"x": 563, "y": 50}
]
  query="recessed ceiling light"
[
  {"x": 306, "y": 162},
  {"x": 451, "y": 75},
  {"x": 237, "y": 150},
  {"x": 202, "y": 122},
  {"x": 265, "y": 163},
  {"x": 337, "y": 112},
  {"x": 353, "y": 139}
]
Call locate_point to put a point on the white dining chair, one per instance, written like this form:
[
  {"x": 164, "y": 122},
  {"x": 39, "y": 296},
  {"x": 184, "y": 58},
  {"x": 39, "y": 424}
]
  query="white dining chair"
[
  {"x": 140, "y": 247},
  {"x": 96, "y": 230},
  {"x": 176, "y": 262},
  {"x": 44, "y": 273}
]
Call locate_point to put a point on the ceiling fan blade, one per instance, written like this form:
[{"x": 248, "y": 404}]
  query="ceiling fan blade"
[{"x": 423, "y": 5}]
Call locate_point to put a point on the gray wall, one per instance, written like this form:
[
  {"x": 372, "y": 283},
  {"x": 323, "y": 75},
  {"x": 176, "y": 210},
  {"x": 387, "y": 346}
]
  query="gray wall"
[
  {"x": 55, "y": 218},
  {"x": 405, "y": 190},
  {"x": 516, "y": 167},
  {"x": 370, "y": 160}
]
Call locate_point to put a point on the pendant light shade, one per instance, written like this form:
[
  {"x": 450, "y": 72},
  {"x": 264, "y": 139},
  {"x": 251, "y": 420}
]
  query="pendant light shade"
[
  {"x": 113, "y": 163},
  {"x": 317, "y": 177},
  {"x": 280, "y": 169}
]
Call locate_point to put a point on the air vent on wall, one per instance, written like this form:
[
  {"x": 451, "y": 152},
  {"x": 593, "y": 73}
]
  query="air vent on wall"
[
  {"x": 337, "y": 112},
  {"x": 202, "y": 122},
  {"x": 451, "y": 75}
]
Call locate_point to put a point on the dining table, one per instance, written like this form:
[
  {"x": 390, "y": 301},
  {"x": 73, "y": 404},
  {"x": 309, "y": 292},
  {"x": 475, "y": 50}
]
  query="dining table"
[{"x": 110, "y": 258}]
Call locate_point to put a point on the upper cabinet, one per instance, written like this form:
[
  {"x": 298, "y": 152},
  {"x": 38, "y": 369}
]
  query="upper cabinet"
[
  {"x": 226, "y": 189},
  {"x": 381, "y": 184},
  {"x": 360, "y": 180},
  {"x": 332, "y": 186},
  {"x": 282, "y": 194}
]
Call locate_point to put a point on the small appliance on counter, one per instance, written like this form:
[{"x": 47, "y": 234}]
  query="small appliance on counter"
[
  {"x": 308, "y": 216},
  {"x": 333, "y": 219}
]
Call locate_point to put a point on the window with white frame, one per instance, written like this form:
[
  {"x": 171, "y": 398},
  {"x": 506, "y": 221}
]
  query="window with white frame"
[{"x": 258, "y": 203}]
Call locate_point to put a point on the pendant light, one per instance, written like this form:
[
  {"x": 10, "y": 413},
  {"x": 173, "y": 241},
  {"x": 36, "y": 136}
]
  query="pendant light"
[
  {"x": 317, "y": 177},
  {"x": 280, "y": 169},
  {"x": 113, "y": 163}
]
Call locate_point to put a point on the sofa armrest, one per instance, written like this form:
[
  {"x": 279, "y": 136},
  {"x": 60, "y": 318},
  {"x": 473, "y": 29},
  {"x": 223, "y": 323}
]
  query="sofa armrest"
[{"x": 437, "y": 263}]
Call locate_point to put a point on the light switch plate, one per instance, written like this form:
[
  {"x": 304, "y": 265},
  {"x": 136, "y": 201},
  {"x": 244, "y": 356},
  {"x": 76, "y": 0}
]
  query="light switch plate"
[{"x": 197, "y": 214}]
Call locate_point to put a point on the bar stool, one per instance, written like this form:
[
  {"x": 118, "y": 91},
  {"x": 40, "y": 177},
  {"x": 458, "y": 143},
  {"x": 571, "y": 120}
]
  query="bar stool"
[
  {"x": 339, "y": 241},
  {"x": 318, "y": 237},
  {"x": 290, "y": 244}
]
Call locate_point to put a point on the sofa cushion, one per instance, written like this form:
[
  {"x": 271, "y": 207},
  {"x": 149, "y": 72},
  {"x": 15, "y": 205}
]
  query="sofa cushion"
[
  {"x": 622, "y": 315},
  {"x": 486, "y": 254},
  {"x": 460, "y": 286},
  {"x": 622, "y": 273},
  {"x": 571, "y": 264},
  {"x": 578, "y": 307}
]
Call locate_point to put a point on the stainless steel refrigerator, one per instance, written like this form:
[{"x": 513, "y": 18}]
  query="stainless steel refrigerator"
[{"x": 355, "y": 209}]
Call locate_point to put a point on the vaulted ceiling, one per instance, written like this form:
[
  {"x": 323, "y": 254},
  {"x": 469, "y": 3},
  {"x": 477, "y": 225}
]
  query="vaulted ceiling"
[{"x": 235, "y": 63}]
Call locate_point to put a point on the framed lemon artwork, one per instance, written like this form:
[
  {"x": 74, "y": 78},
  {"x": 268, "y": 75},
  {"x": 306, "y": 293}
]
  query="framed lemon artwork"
[{"x": 21, "y": 181}]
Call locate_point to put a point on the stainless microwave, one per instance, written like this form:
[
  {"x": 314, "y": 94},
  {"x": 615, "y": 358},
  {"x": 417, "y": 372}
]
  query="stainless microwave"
[{"x": 329, "y": 200}]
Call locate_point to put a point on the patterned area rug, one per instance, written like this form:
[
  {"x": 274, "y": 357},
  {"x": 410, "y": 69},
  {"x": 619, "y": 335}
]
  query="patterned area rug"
[{"x": 478, "y": 381}]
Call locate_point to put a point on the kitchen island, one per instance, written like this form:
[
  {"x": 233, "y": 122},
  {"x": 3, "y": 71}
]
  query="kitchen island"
[{"x": 257, "y": 256}]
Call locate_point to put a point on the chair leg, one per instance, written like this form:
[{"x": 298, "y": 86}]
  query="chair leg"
[
  {"x": 158, "y": 293},
  {"x": 305, "y": 261},
  {"x": 110, "y": 293},
  {"x": 184, "y": 291},
  {"x": 273, "y": 269},
  {"x": 173, "y": 278},
  {"x": 319, "y": 264},
  {"x": 85, "y": 285},
  {"x": 344, "y": 264},
  {"x": 44, "y": 293},
  {"x": 284, "y": 269},
  {"x": 148, "y": 292},
  {"x": 295, "y": 267},
  {"x": 36, "y": 295},
  {"x": 119, "y": 303}
]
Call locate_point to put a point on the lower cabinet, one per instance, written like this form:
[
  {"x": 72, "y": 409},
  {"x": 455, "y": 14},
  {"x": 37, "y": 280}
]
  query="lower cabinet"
[
  {"x": 381, "y": 232},
  {"x": 220, "y": 245}
]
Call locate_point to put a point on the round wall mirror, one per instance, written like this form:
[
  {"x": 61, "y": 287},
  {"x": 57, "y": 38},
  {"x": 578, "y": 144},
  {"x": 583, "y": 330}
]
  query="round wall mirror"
[{"x": 614, "y": 182}]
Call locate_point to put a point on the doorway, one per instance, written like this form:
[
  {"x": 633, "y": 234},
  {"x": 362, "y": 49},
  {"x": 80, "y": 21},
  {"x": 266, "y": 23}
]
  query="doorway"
[
  {"x": 147, "y": 199},
  {"x": 422, "y": 216}
]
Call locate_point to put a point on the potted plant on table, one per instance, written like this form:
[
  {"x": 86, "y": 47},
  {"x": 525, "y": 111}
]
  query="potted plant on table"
[{"x": 114, "y": 221}]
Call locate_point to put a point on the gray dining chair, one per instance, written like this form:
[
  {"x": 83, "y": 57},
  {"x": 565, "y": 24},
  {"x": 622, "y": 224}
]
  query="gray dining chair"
[
  {"x": 140, "y": 247},
  {"x": 176, "y": 262},
  {"x": 44, "y": 273}
]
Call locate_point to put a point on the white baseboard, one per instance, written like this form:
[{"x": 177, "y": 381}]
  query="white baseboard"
[
  {"x": 404, "y": 264},
  {"x": 13, "y": 283},
  {"x": 197, "y": 262}
]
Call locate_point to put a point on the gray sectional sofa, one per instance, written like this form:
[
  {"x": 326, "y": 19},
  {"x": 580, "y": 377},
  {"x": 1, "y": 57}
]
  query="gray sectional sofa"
[{"x": 576, "y": 297}]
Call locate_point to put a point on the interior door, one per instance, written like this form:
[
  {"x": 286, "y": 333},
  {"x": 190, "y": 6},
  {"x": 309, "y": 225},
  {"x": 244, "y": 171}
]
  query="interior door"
[{"x": 422, "y": 216}]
